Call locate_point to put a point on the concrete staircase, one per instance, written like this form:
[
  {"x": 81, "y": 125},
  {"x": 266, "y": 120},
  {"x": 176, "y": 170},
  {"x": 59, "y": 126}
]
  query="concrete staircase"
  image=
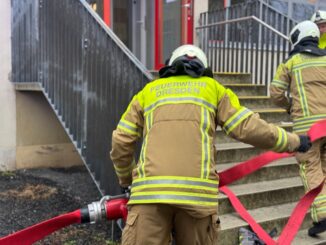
[{"x": 269, "y": 194}]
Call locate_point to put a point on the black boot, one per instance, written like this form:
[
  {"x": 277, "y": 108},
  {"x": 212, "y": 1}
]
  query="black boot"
[{"x": 318, "y": 227}]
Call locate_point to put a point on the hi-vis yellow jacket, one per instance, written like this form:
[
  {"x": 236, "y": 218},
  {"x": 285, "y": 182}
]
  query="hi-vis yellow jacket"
[
  {"x": 177, "y": 119},
  {"x": 304, "y": 75},
  {"x": 322, "y": 41}
]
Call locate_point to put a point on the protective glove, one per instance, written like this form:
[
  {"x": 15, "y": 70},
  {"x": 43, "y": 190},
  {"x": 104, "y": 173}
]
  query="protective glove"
[{"x": 305, "y": 143}]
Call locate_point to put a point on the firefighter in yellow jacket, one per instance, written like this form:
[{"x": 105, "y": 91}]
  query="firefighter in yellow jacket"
[
  {"x": 320, "y": 19},
  {"x": 303, "y": 74},
  {"x": 174, "y": 185}
]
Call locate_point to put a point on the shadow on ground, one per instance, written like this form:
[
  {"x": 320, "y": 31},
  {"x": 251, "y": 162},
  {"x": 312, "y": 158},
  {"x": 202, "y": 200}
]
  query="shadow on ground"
[{"x": 31, "y": 196}]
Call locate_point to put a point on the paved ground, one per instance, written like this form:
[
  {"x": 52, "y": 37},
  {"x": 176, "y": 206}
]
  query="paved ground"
[{"x": 30, "y": 196}]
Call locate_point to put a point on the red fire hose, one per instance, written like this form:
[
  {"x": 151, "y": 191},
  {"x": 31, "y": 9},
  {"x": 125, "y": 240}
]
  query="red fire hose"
[{"x": 109, "y": 207}]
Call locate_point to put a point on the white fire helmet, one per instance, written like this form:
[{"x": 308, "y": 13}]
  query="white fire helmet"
[
  {"x": 319, "y": 17},
  {"x": 302, "y": 30},
  {"x": 191, "y": 52}
]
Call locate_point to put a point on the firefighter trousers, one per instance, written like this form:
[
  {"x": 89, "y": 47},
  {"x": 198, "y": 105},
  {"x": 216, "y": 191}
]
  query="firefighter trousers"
[
  {"x": 312, "y": 172},
  {"x": 152, "y": 224}
]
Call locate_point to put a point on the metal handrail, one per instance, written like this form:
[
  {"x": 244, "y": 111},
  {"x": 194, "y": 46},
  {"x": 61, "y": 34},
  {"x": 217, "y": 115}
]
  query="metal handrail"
[
  {"x": 245, "y": 45},
  {"x": 242, "y": 19},
  {"x": 260, "y": 2},
  {"x": 276, "y": 10}
]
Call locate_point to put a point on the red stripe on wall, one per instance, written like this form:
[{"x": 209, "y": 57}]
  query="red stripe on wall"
[
  {"x": 158, "y": 34},
  {"x": 107, "y": 12}
]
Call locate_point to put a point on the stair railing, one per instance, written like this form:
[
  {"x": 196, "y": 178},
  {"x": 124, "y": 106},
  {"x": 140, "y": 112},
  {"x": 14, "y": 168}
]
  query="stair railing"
[
  {"x": 244, "y": 45},
  {"x": 86, "y": 73},
  {"x": 258, "y": 8}
]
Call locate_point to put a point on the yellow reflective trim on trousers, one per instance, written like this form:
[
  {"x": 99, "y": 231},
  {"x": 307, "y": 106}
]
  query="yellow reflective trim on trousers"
[
  {"x": 313, "y": 213},
  {"x": 302, "y": 172},
  {"x": 321, "y": 210},
  {"x": 205, "y": 144},
  {"x": 282, "y": 140},
  {"x": 318, "y": 212},
  {"x": 280, "y": 84},
  {"x": 236, "y": 119},
  {"x": 183, "y": 186},
  {"x": 177, "y": 178},
  {"x": 302, "y": 94},
  {"x": 320, "y": 199}
]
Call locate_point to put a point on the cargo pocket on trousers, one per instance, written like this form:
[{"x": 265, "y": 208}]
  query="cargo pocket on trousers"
[
  {"x": 129, "y": 232},
  {"x": 214, "y": 229}
]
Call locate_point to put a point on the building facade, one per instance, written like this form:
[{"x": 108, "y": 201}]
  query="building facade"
[{"x": 153, "y": 29}]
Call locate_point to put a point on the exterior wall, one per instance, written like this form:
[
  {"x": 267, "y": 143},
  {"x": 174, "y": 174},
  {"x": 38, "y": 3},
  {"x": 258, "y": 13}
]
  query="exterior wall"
[
  {"x": 7, "y": 93},
  {"x": 200, "y": 6},
  {"x": 215, "y": 4},
  {"x": 41, "y": 140}
]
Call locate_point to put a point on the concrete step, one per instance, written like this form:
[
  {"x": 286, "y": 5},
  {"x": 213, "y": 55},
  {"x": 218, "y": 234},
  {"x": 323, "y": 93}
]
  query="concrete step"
[
  {"x": 232, "y": 78},
  {"x": 222, "y": 137},
  {"x": 255, "y": 102},
  {"x": 247, "y": 89},
  {"x": 273, "y": 115},
  {"x": 235, "y": 152},
  {"x": 267, "y": 217},
  {"x": 284, "y": 168},
  {"x": 263, "y": 194},
  {"x": 302, "y": 238}
]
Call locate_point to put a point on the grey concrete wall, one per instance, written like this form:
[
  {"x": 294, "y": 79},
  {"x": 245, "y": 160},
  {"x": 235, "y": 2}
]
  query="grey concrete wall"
[
  {"x": 7, "y": 93},
  {"x": 30, "y": 134},
  {"x": 41, "y": 139}
]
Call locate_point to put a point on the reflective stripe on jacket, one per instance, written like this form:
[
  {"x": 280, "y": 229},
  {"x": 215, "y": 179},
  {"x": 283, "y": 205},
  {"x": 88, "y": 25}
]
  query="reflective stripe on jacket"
[
  {"x": 305, "y": 77},
  {"x": 177, "y": 119}
]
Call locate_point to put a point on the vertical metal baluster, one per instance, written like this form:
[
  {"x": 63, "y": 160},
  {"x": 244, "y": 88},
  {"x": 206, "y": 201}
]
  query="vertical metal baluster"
[
  {"x": 261, "y": 54},
  {"x": 215, "y": 41},
  {"x": 273, "y": 65}
]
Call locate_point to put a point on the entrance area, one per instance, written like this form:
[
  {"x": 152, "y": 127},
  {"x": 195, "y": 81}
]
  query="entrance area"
[
  {"x": 151, "y": 29},
  {"x": 173, "y": 27}
]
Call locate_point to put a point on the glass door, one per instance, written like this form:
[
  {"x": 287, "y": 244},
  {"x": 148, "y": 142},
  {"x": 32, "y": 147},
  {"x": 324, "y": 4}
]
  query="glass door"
[{"x": 173, "y": 27}]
